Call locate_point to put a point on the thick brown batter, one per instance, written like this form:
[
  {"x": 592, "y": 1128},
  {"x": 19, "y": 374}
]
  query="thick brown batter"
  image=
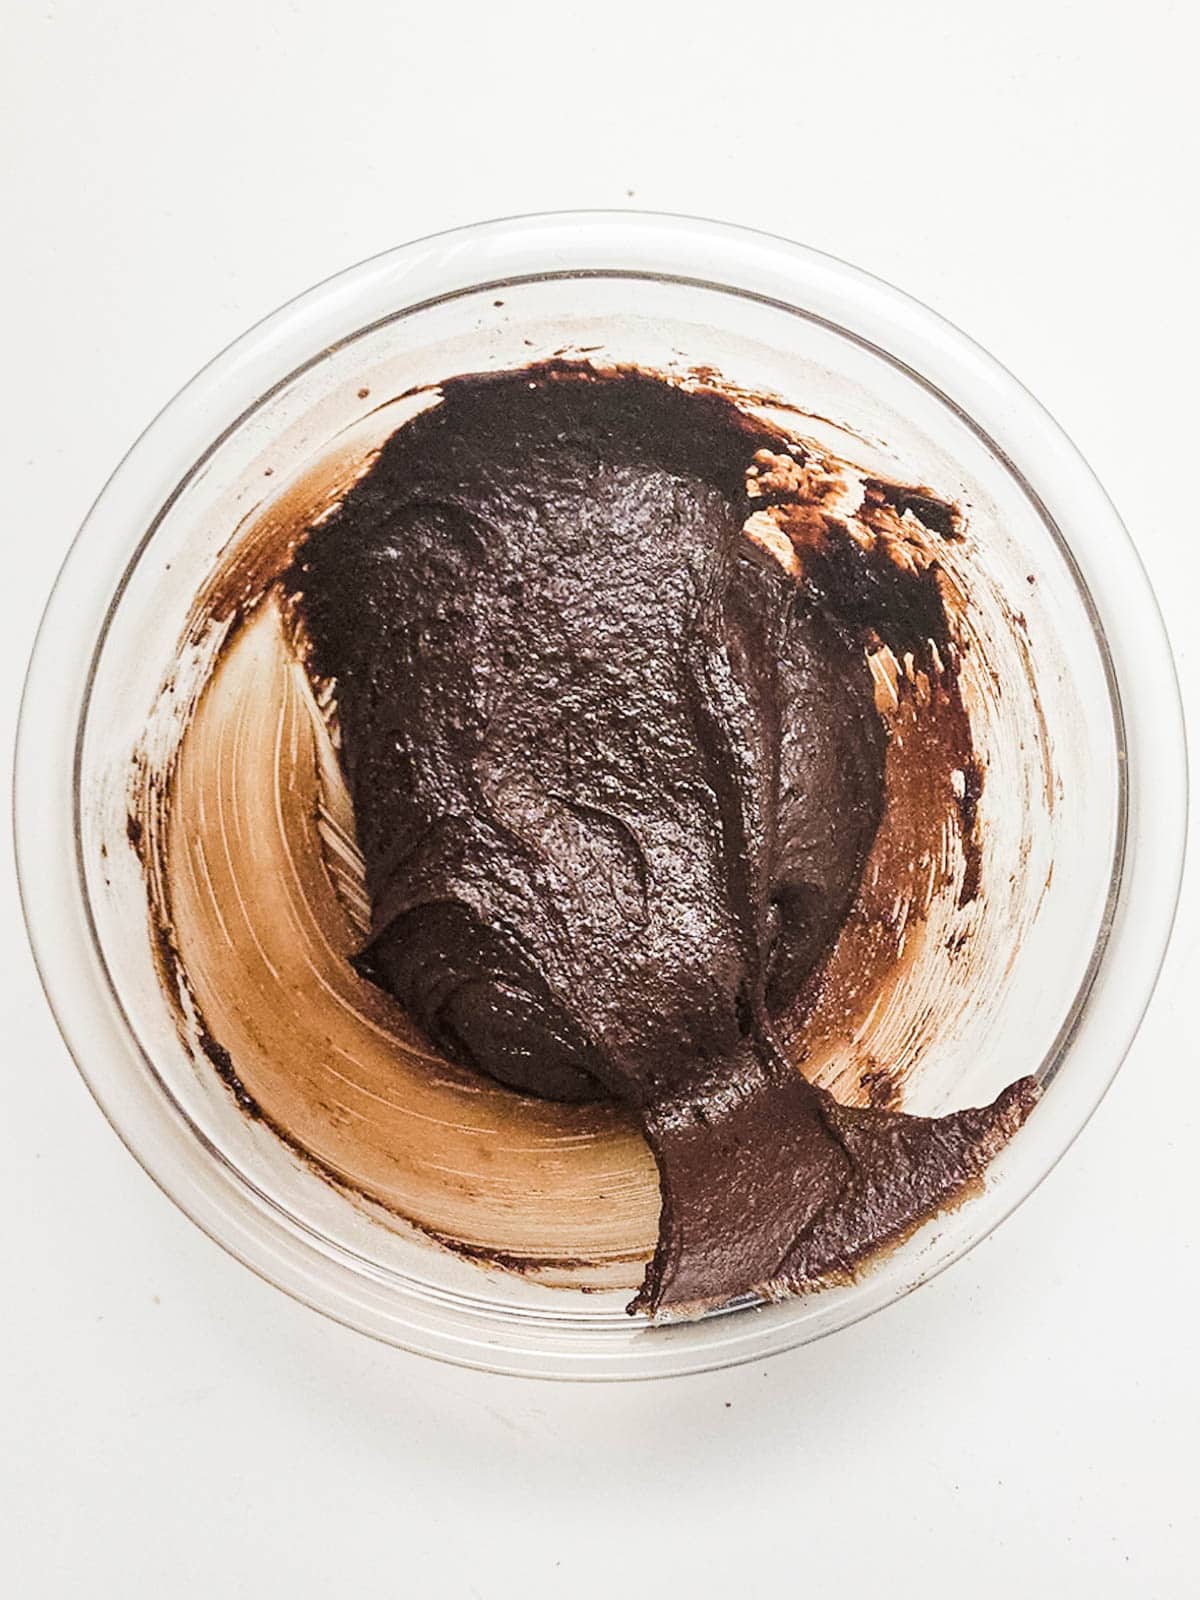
[{"x": 615, "y": 772}]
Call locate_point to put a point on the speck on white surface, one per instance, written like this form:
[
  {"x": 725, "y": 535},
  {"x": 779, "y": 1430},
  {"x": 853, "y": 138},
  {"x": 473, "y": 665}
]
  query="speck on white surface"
[{"x": 171, "y": 1426}]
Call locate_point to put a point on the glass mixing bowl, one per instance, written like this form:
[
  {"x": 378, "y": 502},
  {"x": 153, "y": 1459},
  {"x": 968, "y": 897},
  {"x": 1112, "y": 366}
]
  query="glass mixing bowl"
[{"x": 866, "y": 364}]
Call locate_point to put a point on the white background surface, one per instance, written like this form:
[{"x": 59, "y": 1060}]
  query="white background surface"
[{"x": 171, "y": 1426}]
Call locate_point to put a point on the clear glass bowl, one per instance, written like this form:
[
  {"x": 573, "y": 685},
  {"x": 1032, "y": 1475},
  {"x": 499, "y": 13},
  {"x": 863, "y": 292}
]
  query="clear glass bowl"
[{"x": 671, "y": 293}]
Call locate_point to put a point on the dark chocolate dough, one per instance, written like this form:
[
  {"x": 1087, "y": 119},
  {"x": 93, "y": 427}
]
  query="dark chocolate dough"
[{"x": 615, "y": 775}]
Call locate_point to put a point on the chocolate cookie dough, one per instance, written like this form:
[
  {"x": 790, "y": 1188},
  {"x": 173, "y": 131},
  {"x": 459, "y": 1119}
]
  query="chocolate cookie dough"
[{"x": 616, "y": 768}]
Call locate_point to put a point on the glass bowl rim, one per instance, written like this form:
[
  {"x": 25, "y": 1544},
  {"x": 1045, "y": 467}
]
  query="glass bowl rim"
[{"x": 281, "y": 1248}]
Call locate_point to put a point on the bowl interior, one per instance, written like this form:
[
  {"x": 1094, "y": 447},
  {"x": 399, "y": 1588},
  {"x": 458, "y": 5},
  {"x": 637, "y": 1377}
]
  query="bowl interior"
[{"x": 1052, "y": 804}]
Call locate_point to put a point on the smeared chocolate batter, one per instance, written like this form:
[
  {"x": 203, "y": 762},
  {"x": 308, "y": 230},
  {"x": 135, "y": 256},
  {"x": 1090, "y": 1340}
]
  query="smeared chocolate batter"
[{"x": 615, "y": 774}]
